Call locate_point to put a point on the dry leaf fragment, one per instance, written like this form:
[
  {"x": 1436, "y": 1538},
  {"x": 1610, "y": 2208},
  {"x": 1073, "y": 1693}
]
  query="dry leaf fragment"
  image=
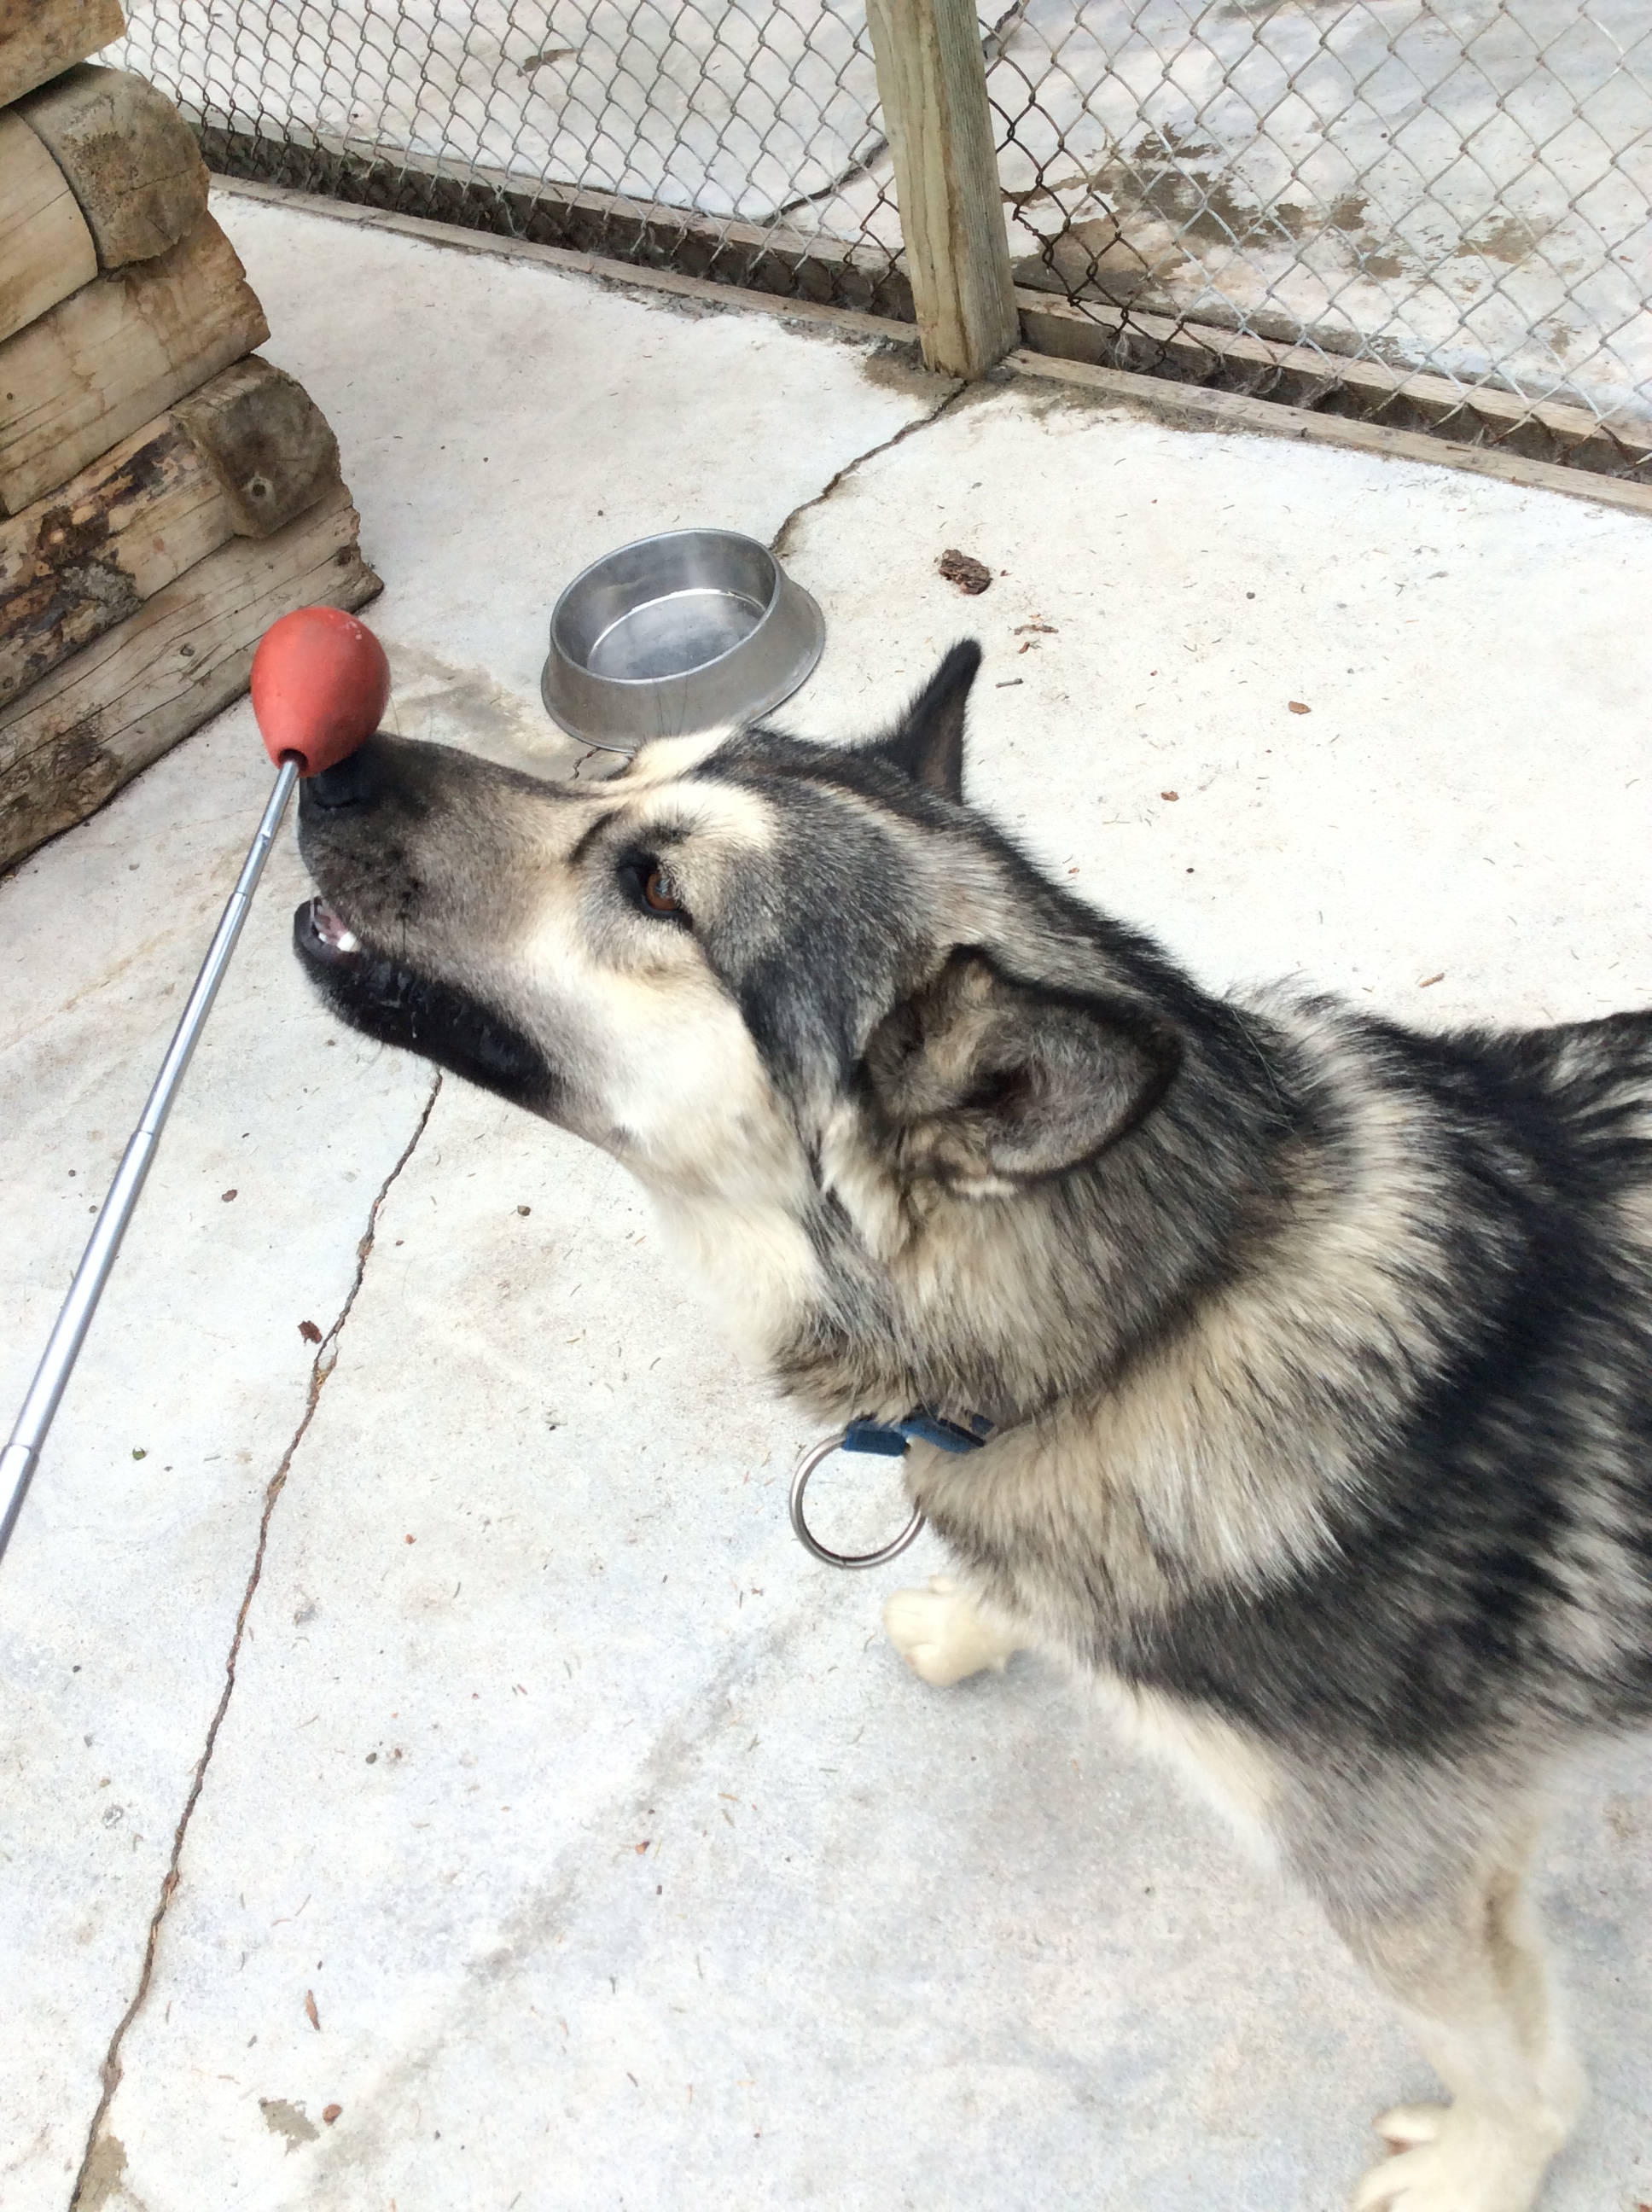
[
  {"x": 1427, "y": 980},
  {"x": 1298, "y": 708},
  {"x": 1169, "y": 794},
  {"x": 971, "y": 576},
  {"x": 330, "y": 2112},
  {"x": 639, "y": 1848},
  {"x": 309, "y": 1332},
  {"x": 309, "y": 2006},
  {"x": 1048, "y": 628}
]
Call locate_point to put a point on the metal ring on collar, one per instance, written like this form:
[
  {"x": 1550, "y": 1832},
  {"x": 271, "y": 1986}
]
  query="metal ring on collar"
[{"x": 810, "y": 1542}]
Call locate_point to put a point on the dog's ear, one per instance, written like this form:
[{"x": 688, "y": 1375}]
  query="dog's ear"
[
  {"x": 929, "y": 742},
  {"x": 986, "y": 1084}
]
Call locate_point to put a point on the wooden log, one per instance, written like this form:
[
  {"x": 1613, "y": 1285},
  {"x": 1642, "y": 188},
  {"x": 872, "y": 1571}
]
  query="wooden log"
[
  {"x": 932, "y": 83},
  {"x": 244, "y": 456},
  {"x": 117, "y": 352},
  {"x": 74, "y": 739},
  {"x": 77, "y": 562},
  {"x": 46, "y": 249},
  {"x": 40, "y": 39},
  {"x": 130, "y": 158},
  {"x": 267, "y": 442}
]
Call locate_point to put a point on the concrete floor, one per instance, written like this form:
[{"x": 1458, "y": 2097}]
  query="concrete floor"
[{"x": 502, "y": 1773}]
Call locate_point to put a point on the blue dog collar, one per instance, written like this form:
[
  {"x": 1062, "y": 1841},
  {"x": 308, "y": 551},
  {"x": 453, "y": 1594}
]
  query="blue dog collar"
[
  {"x": 886, "y": 1440},
  {"x": 891, "y": 1441}
]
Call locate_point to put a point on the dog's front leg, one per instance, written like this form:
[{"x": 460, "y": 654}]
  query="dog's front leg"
[
  {"x": 1475, "y": 1983},
  {"x": 943, "y": 1634}
]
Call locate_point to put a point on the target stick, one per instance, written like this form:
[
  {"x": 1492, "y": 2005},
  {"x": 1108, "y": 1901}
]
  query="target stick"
[{"x": 320, "y": 682}]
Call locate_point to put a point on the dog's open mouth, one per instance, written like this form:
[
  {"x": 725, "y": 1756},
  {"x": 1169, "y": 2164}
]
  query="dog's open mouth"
[
  {"x": 324, "y": 934},
  {"x": 396, "y": 1005}
]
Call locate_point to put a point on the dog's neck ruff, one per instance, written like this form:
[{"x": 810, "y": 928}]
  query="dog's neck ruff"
[{"x": 887, "y": 1440}]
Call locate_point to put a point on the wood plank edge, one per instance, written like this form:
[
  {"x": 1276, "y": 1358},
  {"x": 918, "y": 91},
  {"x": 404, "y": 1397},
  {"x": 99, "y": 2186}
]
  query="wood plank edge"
[
  {"x": 1190, "y": 405},
  {"x": 1078, "y": 331},
  {"x": 854, "y": 322}
]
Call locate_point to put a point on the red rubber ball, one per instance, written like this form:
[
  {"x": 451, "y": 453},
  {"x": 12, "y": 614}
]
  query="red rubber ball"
[{"x": 320, "y": 684}]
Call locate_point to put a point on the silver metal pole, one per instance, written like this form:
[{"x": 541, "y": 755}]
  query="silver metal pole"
[{"x": 22, "y": 1456}]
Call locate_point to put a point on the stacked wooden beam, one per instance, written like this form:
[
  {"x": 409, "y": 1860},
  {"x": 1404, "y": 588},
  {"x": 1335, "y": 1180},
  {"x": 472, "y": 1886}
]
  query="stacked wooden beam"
[{"x": 164, "y": 494}]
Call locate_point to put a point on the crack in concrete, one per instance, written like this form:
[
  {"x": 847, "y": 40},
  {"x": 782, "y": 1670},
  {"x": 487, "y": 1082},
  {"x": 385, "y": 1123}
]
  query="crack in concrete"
[
  {"x": 92, "y": 2188},
  {"x": 780, "y": 544}
]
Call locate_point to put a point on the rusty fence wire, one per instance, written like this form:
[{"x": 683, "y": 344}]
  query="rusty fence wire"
[{"x": 1434, "y": 214}]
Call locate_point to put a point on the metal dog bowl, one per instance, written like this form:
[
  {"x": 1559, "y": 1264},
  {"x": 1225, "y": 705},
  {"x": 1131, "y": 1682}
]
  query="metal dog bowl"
[{"x": 676, "y": 633}]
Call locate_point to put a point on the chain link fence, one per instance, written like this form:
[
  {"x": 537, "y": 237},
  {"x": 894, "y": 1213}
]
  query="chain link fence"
[
  {"x": 1432, "y": 213},
  {"x": 1435, "y": 214},
  {"x": 734, "y": 139}
]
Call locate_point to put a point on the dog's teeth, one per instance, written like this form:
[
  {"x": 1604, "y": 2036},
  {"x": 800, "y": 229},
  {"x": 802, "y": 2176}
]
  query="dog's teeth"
[{"x": 330, "y": 929}]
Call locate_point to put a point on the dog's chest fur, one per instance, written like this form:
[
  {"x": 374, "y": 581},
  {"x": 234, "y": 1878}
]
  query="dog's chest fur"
[{"x": 1236, "y": 1479}]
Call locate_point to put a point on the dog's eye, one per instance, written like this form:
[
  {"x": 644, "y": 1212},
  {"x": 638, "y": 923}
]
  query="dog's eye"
[
  {"x": 657, "y": 894},
  {"x": 649, "y": 887}
]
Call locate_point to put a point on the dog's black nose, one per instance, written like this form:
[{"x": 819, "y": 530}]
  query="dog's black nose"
[{"x": 351, "y": 782}]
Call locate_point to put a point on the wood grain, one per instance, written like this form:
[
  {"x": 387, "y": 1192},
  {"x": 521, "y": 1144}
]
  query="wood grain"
[
  {"x": 267, "y": 442},
  {"x": 46, "y": 249},
  {"x": 40, "y": 39},
  {"x": 932, "y": 83},
  {"x": 75, "y": 739},
  {"x": 87, "y": 556},
  {"x": 129, "y": 157},
  {"x": 104, "y": 361}
]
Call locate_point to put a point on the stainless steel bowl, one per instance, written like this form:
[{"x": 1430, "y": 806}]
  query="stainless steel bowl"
[{"x": 676, "y": 633}]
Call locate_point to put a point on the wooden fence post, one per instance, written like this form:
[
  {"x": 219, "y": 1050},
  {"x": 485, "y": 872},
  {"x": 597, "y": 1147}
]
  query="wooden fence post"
[{"x": 932, "y": 82}]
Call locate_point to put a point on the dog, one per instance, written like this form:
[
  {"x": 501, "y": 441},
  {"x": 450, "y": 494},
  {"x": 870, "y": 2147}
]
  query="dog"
[{"x": 1316, "y": 1353}]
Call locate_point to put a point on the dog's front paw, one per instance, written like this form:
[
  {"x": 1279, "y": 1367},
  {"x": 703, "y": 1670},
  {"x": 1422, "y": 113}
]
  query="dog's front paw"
[
  {"x": 1450, "y": 2160},
  {"x": 941, "y": 1636}
]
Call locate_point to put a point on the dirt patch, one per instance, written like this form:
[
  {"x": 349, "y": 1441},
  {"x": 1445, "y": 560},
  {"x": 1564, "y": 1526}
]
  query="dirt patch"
[
  {"x": 102, "y": 2178},
  {"x": 894, "y": 364},
  {"x": 290, "y": 2120}
]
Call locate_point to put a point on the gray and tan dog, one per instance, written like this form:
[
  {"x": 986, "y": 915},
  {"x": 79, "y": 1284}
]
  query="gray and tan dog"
[{"x": 1320, "y": 1352}]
